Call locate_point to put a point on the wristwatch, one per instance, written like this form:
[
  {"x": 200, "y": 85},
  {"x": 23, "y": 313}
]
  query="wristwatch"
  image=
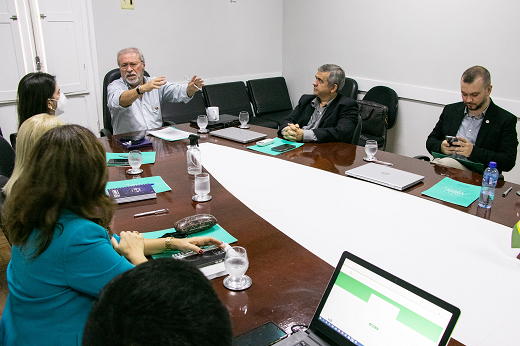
[{"x": 138, "y": 91}]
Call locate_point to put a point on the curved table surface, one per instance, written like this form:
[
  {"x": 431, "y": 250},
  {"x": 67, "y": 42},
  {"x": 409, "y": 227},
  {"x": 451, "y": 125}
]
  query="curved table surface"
[{"x": 288, "y": 280}]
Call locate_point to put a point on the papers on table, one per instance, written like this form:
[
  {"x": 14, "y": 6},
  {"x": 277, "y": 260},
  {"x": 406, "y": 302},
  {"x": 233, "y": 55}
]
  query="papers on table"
[
  {"x": 277, "y": 141},
  {"x": 170, "y": 134},
  {"x": 157, "y": 182},
  {"x": 148, "y": 157},
  {"x": 455, "y": 192}
]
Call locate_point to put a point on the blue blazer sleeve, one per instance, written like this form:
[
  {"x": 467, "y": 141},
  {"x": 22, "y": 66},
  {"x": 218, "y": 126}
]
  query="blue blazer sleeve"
[{"x": 90, "y": 260}]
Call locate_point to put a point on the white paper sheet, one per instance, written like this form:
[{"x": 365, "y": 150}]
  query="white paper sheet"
[
  {"x": 170, "y": 134},
  {"x": 463, "y": 259}
]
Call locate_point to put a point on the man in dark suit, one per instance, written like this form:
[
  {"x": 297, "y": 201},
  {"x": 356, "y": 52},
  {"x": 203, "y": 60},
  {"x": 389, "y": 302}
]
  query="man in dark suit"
[
  {"x": 325, "y": 116},
  {"x": 484, "y": 131}
]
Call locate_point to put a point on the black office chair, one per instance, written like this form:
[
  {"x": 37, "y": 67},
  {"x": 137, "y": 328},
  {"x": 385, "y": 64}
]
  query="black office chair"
[
  {"x": 357, "y": 131},
  {"x": 232, "y": 98},
  {"x": 107, "y": 118},
  {"x": 6, "y": 158},
  {"x": 12, "y": 139},
  {"x": 270, "y": 98},
  {"x": 350, "y": 89},
  {"x": 387, "y": 97},
  {"x": 180, "y": 112}
]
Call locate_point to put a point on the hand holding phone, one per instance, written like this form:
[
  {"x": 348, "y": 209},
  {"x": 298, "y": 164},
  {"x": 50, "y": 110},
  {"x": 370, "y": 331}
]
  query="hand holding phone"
[{"x": 450, "y": 140}]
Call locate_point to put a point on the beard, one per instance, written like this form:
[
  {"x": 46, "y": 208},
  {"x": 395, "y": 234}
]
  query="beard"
[
  {"x": 133, "y": 79},
  {"x": 473, "y": 107}
]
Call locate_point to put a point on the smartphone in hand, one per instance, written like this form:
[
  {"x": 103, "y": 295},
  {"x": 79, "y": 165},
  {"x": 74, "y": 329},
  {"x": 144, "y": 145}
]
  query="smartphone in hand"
[{"x": 450, "y": 140}]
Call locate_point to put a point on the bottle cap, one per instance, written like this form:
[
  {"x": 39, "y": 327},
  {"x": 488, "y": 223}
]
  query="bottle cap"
[
  {"x": 493, "y": 164},
  {"x": 194, "y": 140}
]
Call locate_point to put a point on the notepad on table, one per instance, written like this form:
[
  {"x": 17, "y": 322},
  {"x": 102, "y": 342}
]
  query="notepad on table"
[{"x": 453, "y": 191}]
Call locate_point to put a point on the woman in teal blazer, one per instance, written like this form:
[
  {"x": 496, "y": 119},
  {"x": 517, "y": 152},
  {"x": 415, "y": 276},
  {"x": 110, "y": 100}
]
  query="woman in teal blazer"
[{"x": 57, "y": 216}]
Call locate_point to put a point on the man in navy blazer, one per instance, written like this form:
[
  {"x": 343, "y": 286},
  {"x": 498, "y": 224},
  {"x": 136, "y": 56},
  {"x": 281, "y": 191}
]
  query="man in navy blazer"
[
  {"x": 325, "y": 116},
  {"x": 484, "y": 131}
]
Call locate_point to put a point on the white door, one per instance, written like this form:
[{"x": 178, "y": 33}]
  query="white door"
[
  {"x": 63, "y": 43},
  {"x": 11, "y": 59}
]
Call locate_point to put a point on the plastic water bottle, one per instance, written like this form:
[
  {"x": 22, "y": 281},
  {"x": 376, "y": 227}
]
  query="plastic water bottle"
[
  {"x": 489, "y": 182},
  {"x": 193, "y": 156}
]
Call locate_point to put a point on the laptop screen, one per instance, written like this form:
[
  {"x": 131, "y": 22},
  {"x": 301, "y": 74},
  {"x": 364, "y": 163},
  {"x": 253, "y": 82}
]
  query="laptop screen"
[{"x": 370, "y": 307}]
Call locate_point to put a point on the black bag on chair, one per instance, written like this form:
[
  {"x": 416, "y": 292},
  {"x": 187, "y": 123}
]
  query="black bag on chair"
[{"x": 374, "y": 117}]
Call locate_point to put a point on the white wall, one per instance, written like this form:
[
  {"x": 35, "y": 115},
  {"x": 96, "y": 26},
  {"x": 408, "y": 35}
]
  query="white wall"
[
  {"x": 419, "y": 49},
  {"x": 216, "y": 39}
]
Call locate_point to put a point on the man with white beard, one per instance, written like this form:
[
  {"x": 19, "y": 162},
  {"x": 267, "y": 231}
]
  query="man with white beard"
[{"x": 134, "y": 100}]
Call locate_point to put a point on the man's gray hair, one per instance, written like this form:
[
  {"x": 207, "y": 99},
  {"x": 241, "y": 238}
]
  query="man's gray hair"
[
  {"x": 475, "y": 72},
  {"x": 130, "y": 50},
  {"x": 336, "y": 76}
]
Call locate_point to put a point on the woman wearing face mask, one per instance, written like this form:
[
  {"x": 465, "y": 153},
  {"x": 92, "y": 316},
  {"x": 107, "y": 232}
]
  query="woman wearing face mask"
[{"x": 38, "y": 93}]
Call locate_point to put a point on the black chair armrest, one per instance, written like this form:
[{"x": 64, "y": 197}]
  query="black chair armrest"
[
  {"x": 105, "y": 133},
  {"x": 168, "y": 123},
  {"x": 422, "y": 157}
]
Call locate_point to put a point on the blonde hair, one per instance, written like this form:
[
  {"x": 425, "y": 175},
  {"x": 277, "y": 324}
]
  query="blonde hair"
[{"x": 29, "y": 133}]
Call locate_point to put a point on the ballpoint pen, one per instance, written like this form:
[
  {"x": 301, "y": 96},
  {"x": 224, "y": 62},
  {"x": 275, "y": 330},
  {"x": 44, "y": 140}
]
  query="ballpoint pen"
[
  {"x": 193, "y": 83},
  {"x": 507, "y": 191},
  {"x": 153, "y": 212}
]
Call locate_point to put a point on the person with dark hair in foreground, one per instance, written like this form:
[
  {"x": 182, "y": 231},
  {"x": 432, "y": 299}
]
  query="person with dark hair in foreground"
[
  {"x": 484, "y": 131},
  {"x": 324, "y": 116},
  {"x": 57, "y": 216},
  {"x": 164, "y": 302},
  {"x": 39, "y": 93}
]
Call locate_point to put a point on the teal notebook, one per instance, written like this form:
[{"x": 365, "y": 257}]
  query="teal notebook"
[
  {"x": 157, "y": 182},
  {"x": 216, "y": 232},
  {"x": 277, "y": 141},
  {"x": 453, "y": 191},
  {"x": 148, "y": 157}
]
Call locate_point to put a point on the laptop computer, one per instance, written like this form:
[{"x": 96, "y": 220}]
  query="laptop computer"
[
  {"x": 238, "y": 135},
  {"x": 364, "y": 305},
  {"x": 386, "y": 176},
  {"x": 225, "y": 120}
]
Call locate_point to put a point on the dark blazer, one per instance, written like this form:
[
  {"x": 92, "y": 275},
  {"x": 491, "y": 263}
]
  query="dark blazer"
[
  {"x": 337, "y": 124},
  {"x": 496, "y": 140}
]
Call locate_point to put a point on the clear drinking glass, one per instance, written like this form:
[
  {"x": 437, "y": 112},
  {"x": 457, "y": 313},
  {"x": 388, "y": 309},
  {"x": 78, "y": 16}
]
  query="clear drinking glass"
[
  {"x": 243, "y": 117},
  {"x": 201, "y": 188},
  {"x": 236, "y": 264},
  {"x": 135, "y": 159},
  {"x": 371, "y": 150},
  {"x": 202, "y": 122}
]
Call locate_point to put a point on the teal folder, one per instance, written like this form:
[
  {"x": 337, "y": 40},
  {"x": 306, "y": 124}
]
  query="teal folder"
[
  {"x": 453, "y": 191},
  {"x": 277, "y": 141}
]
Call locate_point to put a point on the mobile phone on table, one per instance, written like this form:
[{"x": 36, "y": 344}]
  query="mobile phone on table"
[
  {"x": 283, "y": 147},
  {"x": 266, "y": 334},
  {"x": 132, "y": 139},
  {"x": 451, "y": 139},
  {"x": 118, "y": 162}
]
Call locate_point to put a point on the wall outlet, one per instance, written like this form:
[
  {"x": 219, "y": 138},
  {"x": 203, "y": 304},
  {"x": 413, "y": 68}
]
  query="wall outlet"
[{"x": 127, "y": 4}]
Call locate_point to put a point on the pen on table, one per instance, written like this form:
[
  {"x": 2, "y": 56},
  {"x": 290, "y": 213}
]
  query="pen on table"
[
  {"x": 193, "y": 83},
  {"x": 153, "y": 212},
  {"x": 507, "y": 191}
]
